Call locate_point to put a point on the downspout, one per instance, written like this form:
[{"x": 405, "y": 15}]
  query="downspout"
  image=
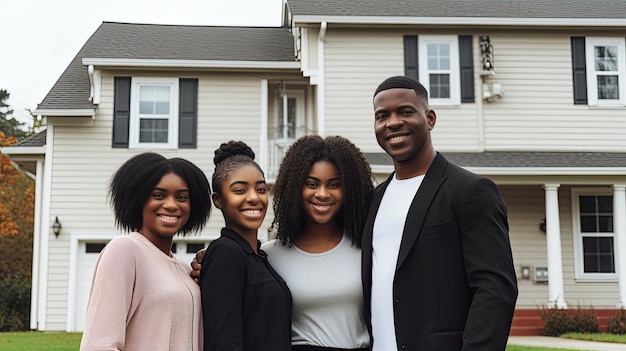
[{"x": 321, "y": 81}]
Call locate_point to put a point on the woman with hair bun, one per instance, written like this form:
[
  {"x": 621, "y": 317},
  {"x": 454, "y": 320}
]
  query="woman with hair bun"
[{"x": 246, "y": 304}]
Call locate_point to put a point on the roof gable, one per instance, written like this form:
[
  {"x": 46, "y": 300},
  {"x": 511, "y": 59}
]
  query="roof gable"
[{"x": 166, "y": 42}]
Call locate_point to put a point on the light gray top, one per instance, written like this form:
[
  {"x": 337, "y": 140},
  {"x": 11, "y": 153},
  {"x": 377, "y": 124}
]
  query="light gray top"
[{"x": 327, "y": 294}]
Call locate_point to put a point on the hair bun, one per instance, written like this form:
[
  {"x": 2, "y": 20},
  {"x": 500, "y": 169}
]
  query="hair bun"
[{"x": 230, "y": 149}]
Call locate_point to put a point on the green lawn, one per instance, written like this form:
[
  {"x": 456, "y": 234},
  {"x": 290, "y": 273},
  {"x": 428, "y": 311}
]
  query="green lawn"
[
  {"x": 39, "y": 341},
  {"x": 57, "y": 341}
]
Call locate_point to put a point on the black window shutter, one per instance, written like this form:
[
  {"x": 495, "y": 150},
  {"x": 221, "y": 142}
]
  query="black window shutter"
[
  {"x": 466, "y": 63},
  {"x": 410, "y": 56},
  {"x": 121, "y": 111},
  {"x": 188, "y": 112},
  {"x": 579, "y": 70}
]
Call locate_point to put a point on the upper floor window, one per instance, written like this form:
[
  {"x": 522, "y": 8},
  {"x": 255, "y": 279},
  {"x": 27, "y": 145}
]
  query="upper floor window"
[
  {"x": 594, "y": 235},
  {"x": 154, "y": 113},
  {"x": 439, "y": 68},
  {"x": 606, "y": 71}
]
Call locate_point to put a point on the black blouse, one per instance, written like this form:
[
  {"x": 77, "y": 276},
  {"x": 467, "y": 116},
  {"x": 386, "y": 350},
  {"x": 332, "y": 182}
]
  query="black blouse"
[{"x": 246, "y": 305}]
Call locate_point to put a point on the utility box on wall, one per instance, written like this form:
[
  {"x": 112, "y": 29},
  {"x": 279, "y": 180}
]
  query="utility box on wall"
[{"x": 541, "y": 275}]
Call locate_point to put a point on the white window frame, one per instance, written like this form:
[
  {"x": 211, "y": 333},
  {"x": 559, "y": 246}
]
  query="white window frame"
[
  {"x": 172, "y": 117},
  {"x": 455, "y": 74},
  {"x": 592, "y": 74},
  {"x": 580, "y": 274}
]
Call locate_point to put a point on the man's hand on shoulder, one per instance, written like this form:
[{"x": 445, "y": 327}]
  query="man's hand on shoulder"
[{"x": 195, "y": 265}]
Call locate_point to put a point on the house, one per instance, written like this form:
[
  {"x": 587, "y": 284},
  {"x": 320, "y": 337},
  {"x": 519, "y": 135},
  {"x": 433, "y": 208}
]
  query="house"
[{"x": 529, "y": 94}]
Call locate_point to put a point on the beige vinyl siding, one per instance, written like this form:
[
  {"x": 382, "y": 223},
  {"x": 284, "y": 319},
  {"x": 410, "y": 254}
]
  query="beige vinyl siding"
[
  {"x": 229, "y": 107},
  {"x": 537, "y": 111},
  {"x": 356, "y": 62}
]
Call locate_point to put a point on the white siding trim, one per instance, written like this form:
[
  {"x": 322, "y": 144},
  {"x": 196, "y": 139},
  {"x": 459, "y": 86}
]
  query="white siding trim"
[
  {"x": 152, "y": 63},
  {"x": 37, "y": 239},
  {"x": 45, "y": 232},
  {"x": 321, "y": 81},
  {"x": 443, "y": 21},
  {"x": 263, "y": 162}
]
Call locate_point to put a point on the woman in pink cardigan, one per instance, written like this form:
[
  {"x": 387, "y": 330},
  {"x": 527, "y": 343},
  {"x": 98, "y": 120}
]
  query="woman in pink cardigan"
[{"x": 142, "y": 297}]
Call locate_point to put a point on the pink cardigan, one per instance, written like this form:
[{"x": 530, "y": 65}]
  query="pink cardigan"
[{"x": 142, "y": 299}]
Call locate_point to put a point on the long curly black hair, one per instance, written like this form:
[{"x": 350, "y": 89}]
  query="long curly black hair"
[{"x": 356, "y": 178}]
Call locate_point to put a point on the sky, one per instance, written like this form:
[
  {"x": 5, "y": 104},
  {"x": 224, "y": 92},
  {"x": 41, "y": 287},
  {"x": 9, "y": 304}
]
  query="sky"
[{"x": 40, "y": 37}]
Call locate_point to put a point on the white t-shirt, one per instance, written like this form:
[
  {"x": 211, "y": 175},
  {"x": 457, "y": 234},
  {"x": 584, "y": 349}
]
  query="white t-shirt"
[
  {"x": 387, "y": 235},
  {"x": 327, "y": 294}
]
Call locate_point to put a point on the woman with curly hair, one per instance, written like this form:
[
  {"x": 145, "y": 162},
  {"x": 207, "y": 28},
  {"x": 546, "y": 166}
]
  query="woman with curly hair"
[
  {"x": 246, "y": 304},
  {"x": 142, "y": 297},
  {"x": 321, "y": 200}
]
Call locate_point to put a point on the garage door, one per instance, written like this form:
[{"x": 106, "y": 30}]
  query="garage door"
[{"x": 87, "y": 256}]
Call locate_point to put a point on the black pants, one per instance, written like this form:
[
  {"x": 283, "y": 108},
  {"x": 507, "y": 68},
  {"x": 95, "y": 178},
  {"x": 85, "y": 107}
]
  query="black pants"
[{"x": 320, "y": 348}]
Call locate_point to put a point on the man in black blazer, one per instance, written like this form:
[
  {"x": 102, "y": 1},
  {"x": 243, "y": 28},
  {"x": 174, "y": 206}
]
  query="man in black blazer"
[{"x": 437, "y": 267}]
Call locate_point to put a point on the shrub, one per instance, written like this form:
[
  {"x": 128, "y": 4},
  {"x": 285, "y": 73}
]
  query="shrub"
[
  {"x": 617, "y": 323},
  {"x": 556, "y": 321},
  {"x": 14, "y": 303},
  {"x": 584, "y": 321},
  {"x": 559, "y": 321}
]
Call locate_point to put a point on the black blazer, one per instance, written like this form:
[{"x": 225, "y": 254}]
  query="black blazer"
[{"x": 455, "y": 286}]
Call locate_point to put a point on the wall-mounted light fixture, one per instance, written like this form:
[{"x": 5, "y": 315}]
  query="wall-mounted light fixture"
[
  {"x": 525, "y": 272},
  {"x": 542, "y": 225},
  {"x": 56, "y": 227}
]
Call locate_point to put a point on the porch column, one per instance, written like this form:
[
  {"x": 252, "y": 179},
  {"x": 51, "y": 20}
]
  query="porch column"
[
  {"x": 553, "y": 243},
  {"x": 619, "y": 226}
]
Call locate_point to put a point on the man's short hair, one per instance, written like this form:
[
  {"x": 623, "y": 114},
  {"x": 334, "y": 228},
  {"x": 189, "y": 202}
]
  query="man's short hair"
[{"x": 403, "y": 82}]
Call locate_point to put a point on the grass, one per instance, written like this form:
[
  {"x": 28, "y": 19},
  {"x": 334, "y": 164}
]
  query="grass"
[
  {"x": 60, "y": 341},
  {"x": 39, "y": 341},
  {"x": 532, "y": 348},
  {"x": 603, "y": 337}
]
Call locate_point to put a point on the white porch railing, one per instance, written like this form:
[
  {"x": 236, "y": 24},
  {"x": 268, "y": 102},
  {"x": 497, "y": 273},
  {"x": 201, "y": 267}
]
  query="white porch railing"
[{"x": 277, "y": 149}]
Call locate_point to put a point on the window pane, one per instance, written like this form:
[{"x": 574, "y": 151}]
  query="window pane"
[
  {"x": 608, "y": 87},
  {"x": 605, "y": 204},
  {"x": 438, "y": 56},
  {"x": 146, "y": 99},
  {"x": 588, "y": 224},
  {"x": 192, "y": 248},
  {"x": 606, "y": 58},
  {"x": 153, "y": 130},
  {"x": 440, "y": 86},
  {"x": 596, "y": 213},
  {"x": 605, "y": 224},
  {"x": 598, "y": 255},
  {"x": 291, "y": 117},
  {"x": 154, "y": 100},
  {"x": 162, "y": 100}
]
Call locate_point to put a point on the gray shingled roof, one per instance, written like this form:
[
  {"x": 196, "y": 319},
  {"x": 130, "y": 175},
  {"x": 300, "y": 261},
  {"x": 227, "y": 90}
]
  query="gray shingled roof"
[
  {"x": 462, "y": 8},
  {"x": 171, "y": 42},
  {"x": 35, "y": 140},
  {"x": 515, "y": 159}
]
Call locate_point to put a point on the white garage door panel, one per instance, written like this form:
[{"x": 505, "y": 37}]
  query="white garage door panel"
[{"x": 87, "y": 256}]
